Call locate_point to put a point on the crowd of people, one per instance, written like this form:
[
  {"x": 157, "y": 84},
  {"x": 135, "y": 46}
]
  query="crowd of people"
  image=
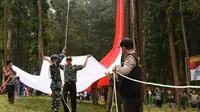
[{"x": 159, "y": 97}]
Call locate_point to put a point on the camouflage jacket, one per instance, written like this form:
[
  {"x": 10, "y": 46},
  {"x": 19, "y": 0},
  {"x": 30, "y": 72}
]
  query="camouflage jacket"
[{"x": 55, "y": 72}]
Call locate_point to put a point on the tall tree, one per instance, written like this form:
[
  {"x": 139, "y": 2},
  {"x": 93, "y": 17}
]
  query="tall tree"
[
  {"x": 172, "y": 47},
  {"x": 183, "y": 29},
  {"x": 5, "y": 30},
  {"x": 136, "y": 31},
  {"x": 40, "y": 40},
  {"x": 5, "y": 33},
  {"x": 141, "y": 41},
  {"x": 132, "y": 23}
]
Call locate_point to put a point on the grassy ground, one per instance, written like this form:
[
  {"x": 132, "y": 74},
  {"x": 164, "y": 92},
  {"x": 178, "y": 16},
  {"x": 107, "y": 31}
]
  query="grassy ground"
[{"x": 42, "y": 104}]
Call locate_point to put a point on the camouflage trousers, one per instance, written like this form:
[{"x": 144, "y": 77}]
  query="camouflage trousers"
[{"x": 56, "y": 98}]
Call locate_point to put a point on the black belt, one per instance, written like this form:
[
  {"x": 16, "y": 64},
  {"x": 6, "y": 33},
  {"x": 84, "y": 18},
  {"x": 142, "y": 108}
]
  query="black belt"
[{"x": 70, "y": 83}]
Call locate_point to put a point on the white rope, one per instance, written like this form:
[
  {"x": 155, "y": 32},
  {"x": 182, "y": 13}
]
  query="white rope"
[
  {"x": 64, "y": 100},
  {"x": 115, "y": 92},
  {"x": 66, "y": 35},
  {"x": 148, "y": 83},
  {"x": 67, "y": 23},
  {"x": 155, "y": 84},
  {"x": 113, "y": 95}
]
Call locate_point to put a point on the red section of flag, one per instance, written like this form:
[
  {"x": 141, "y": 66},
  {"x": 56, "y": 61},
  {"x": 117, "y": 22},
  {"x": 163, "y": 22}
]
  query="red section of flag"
[
  {"x": 110, "y": 58},
  {"x": 194, "y": 62}
]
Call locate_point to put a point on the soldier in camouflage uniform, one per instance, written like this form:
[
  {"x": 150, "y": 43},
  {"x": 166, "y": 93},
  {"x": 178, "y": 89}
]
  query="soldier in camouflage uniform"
[{"x": 56, "y": 79}]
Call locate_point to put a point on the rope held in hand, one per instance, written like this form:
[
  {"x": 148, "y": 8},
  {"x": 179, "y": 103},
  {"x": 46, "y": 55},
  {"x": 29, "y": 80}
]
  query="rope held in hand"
[
  {"x": 66, "y": 35},
  {"x": 115, "y": 91},
  {"x": 64, "y": 100}
]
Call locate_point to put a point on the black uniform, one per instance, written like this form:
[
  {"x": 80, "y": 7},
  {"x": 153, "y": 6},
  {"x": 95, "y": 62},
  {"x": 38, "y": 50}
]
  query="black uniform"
[
  {"x": 131, "y": 91},
  {"x": 56, "y": 81}
]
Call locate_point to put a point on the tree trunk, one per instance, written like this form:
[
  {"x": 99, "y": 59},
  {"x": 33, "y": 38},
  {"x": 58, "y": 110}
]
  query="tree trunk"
[
  {"x": 185, "y": 44},
  {"x": 9, "y": 44},
  {"x": 127, "y": 19},
  {"x": 172, "y": 53},
  {"x": 133, "y": 21},
  {"x": 181, "y": 68},
  {"x": 1, "y": 54},
  {"x": 140, "y": 15},
  {"x": 5, "y": 30},
  {"x": 183, "y": 30},
  {"x": 40, "y": 40},
  {"x": 5, "y": 34},
  {"x": 140, "y": 28},
  {"x": 136, "y": 32}
]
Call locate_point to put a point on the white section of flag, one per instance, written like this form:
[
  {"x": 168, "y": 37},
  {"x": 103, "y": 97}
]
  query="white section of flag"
[
  {"x": 116, "y": 62},
  {"x": 194, "y": 76},
  {"x": 92, "y": 72}
]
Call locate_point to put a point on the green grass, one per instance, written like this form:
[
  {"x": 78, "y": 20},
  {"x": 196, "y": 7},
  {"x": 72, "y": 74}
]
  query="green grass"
[{"x": 43, "y": 104}]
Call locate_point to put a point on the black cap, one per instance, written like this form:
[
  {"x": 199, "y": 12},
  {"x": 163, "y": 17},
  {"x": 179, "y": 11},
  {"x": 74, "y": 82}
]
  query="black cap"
[
  {"x": 54, "y": 56},
  {"x": 126, "y": 42}
]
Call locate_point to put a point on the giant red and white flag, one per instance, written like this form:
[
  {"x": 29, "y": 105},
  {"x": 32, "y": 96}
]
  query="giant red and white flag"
[
  {"x": 114, "y": 56},
  {"x": 194, "y": 64},
  {"x": 93, "y": 71}
]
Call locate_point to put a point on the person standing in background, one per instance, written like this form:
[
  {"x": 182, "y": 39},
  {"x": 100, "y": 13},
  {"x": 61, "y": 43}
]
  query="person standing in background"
[
  {"x": 182, "y": 98},
  {"x": 17, "y": 87},
  {"x": 149, "y": 97},
  {"x": 94, "y": 94},
  {"x": 194, "y": 99},
  {"x": 21, "y": 88},
  {"x": 170, "y": 98},
  {"x": 158, "y": 97},
  {"x": 9, "y": 75}
]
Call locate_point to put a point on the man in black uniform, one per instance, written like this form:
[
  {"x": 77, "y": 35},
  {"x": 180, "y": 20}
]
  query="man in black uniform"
[
  {"x": 56, "y": 79},
  {"x": 70, "y": 78},
  {"x": 130, "y": 91}
]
